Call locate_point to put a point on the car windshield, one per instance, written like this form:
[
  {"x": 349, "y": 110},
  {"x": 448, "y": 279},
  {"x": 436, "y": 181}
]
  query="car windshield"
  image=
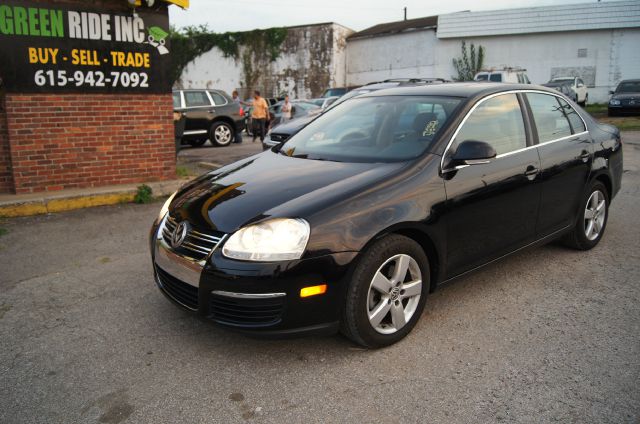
[
  {"x": 482, "y": 77},
  {"x": 373, "y": 129},
  {"x": 629, "y": 87},
  {"x": 562, "y": 80}
]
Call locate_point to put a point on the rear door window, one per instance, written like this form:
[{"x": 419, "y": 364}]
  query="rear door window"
[
  {"x": 176, "y": 100},
  {"x": 497, "y": 121},
  {"x": 549, "y": 117},
  {"x": 495, "y": 77},
  {"x": 196, "y": 98},
  {"x": 218, "y": 99},
  {"x": 577, "y": 125}
]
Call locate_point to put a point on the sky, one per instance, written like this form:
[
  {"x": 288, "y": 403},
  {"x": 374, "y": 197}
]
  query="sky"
[{"x": 242, "y": 15}]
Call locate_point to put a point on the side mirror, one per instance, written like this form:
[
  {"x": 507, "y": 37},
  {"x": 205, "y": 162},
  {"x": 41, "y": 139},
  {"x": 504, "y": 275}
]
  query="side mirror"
[
  {"x": 611, "y": 91},
  {"x": 472, "y": 152}
]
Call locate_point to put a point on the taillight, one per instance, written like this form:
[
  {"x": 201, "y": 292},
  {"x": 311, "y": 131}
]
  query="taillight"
[{"x": 241, "y": 112}]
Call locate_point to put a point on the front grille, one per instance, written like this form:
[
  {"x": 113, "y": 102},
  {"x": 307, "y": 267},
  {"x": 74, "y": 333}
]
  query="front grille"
[
  {"x": 279, "y": 137},
  {"x": 246, "y": 312},
  {"x": 197, "y": 244},
  {"x": 182, "y": 293}
]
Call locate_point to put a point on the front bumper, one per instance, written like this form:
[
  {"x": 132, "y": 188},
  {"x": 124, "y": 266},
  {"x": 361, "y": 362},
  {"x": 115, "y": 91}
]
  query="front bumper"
[
  {"x": 261, "y": 298},
  {"x": 624, "y": 109}
]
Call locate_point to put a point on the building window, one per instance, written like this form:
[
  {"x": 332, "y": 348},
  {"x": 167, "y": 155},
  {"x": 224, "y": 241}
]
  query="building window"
[{"x": 582, "y": 52}]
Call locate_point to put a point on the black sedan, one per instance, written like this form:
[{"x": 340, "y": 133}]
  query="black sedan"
[
  {"x": 352, "y": 222},
  {"x": 625, "y": 100}
]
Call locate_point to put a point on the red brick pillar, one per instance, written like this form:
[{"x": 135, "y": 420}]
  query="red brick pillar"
[
  {"x": 61, "y": 141},
  {"x": 86, "y": 98}
]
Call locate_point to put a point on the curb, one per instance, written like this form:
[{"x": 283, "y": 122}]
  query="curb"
[{"x": 66, "y": 200}]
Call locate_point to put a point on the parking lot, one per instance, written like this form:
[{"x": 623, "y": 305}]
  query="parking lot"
[{"x": 549, "y": 334}]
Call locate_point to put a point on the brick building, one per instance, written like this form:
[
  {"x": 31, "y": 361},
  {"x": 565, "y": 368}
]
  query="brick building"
[{"x": 55, "y": 137}]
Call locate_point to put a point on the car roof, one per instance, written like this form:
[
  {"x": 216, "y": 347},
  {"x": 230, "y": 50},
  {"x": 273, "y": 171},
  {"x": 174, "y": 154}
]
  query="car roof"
[
  {"x": 455, "y": 89},
  {"x": 630, "y": 80}
]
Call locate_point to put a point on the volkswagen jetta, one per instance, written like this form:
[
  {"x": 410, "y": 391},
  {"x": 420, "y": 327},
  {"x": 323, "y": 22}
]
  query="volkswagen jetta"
[{"x": 353, "y": 221}]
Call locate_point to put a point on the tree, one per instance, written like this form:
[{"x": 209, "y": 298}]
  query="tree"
[{"x": 469, "y": 65}]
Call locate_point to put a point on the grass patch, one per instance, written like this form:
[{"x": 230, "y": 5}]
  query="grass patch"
[
  {"x": 182, "y": 171},
  {"x": 144, "y": 194},
  {"x": 623, "y": 123},
  {"x": 596, "y": 108},
  {"x": 630, "y": 123}
]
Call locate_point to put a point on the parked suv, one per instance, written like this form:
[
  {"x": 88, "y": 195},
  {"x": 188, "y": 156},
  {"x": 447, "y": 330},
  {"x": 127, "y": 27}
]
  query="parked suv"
[
  {"x": 209, "y": 115},
  {"x": 510, "y": 75},
  {"x": 572, "y": 87}
]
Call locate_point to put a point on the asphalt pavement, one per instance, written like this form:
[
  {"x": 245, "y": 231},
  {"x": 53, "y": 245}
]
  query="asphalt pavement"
[{"x": 548, "y": 334}]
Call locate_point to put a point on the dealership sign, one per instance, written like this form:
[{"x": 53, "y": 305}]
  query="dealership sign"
[{"x": 60, "y": 48}]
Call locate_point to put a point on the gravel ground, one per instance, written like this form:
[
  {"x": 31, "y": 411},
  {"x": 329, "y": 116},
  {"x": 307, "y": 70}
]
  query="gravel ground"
[{"x": 549, "y": 334}]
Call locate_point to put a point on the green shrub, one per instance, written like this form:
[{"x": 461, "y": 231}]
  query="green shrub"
[{"x": 144, "y": 194}]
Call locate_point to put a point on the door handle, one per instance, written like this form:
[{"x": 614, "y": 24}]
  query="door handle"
[{"x": 531, "y": 172}]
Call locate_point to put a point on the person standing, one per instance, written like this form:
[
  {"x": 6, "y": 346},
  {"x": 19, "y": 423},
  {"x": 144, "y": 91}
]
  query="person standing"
[
  {"x": 259, "y": 114},
  {"x": 236, "y": 99},
  {"x": 287, "y": 109}
]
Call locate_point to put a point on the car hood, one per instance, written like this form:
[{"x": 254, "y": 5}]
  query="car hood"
[
  {"x": 247, "y": 191},
  {"x": 626, "y": 96}
]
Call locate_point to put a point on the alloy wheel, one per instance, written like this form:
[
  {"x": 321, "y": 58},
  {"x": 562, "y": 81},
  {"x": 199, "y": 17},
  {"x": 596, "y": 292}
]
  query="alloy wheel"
[
  {"x": 222, "y": 134},
  {"x": 595, "y": 213},
  {"x": 394, "y": 294}
]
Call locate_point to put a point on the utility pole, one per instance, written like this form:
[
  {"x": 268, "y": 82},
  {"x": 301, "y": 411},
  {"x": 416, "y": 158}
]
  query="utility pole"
[{"x": 405, "y": 13}]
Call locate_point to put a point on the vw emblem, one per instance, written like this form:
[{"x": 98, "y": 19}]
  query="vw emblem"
[{"x": 179, "y": 234}]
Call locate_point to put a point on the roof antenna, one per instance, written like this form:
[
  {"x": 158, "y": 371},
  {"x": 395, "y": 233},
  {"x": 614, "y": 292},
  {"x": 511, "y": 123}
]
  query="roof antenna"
[{"x": 405, "y": 13}]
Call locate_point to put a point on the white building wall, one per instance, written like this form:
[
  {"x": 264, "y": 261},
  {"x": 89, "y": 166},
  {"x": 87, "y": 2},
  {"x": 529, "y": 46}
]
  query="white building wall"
[
  {"x": 405, "y": 55},
  {"x": 311, "y": 59},
  {"x": 612, "y": 55},
  {"x": 211, "y": 70}
]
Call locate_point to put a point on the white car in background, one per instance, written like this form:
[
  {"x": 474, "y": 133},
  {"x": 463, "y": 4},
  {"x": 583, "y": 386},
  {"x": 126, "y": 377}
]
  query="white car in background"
[
  {"x": 572, "y": 87},
  {"x": 515, "y": 75}
]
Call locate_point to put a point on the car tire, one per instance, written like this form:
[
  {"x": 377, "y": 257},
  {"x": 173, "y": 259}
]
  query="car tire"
[
  {"x": 221, "y": 134},
  {"x": 382, "y": 306},
  {"x": 592, "y": 218},
  {"x": 197, "y": 143}
]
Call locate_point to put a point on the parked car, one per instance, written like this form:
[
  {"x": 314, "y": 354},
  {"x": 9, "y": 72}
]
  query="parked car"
[
  {"x": 328, "y": 102},
  {"x": 282, "y": 132},
  {"x": 626, "y": 98},
  {"x": 357, "y": 218},
  {"x": 511, "y": 75},
  {"x": 209, "y": 115},
  {"x": 338, "y": 91},
  {"x": 299, "y": 108},
  {"x": 572, "y": 87}
]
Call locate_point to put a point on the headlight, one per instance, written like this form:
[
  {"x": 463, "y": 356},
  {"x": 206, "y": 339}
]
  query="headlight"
[
  {"x": 165, "y": 207},
  {"x": 614, "y": 102},
  {"x": 277, "y": 239}
]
